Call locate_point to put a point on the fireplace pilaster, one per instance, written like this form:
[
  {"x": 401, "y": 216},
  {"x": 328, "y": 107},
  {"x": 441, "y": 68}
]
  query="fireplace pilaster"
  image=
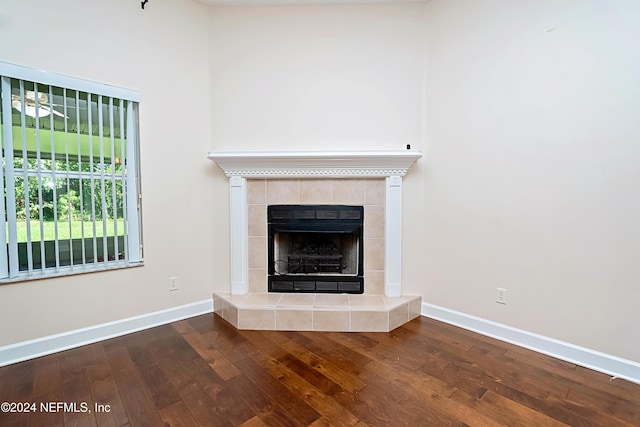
[
  {"x": 393, "y": 237},
  {"x": 238, "y": 235}
]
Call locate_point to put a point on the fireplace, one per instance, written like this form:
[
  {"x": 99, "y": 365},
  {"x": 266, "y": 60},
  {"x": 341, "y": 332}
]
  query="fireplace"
[
  {"x": 372, "y": 179},
  {"x": 298, "y": 225},
  {"x": 315, "y": 248}
]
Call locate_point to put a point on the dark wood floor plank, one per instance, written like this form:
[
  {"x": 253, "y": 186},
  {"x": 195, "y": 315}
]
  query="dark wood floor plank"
[
  {"x": 293, "y": 407},
  {"x": 104, "y": 390},
  {"x": 254, "y": 422},
  {"x": 506, "y": 411},
  {"x": 321, "y": 365},
  {"x": 401, "y": 388},
  {"x": 335, "y": 347},
  {"x": 76, "y": 394},
  {"x": 498, "y": 366},
  {"x": 220, "y": 364},
  {"x": 193, "y": 380},
  {"x": 17, "y": 386},
  {"x": 14, "y": 419},
  {"x": 201, "y": 407},
  {"x": 47, "y": 378},
  {"x": 513, "y": 410},
  {"x": 161, "y": 389},
  {"x": 582, "y": 395},
  {"x": 229, "y": 405},
  {"x": 387, "y": 349},
  {"x": 450, "y": 335},
  {"x": 384, "y": 363},
  {"x": 384, "y": 402},
  {"x": 177, "y": 415},
  {"x": 139, "y": 404},
  {"x": 244, "y": 390},
  {"x": 554, "y": 411},
  {"x": 474, "y": 373},
  {"x": 135, "y": 396},
  {"x": 203, "y": 391},
  {"x": 444, "y": 333},
  {"x": 323, "y": 404},
  {"x": 203, "y": 372},
  {"x": 47, "y": 387}
]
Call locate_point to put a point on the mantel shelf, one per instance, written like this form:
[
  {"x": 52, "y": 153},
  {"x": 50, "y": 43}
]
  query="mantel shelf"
[{"x": 328, "y": 164}]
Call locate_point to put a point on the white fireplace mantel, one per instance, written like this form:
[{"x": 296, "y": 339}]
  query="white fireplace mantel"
[
  {"x": 328, "y": 164},
  {"x": 390, "y": 164}
]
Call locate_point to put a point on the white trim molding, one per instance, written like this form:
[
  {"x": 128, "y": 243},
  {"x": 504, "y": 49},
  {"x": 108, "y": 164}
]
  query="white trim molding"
[
  {"x": 31, "y": 349},
  {"x": 614, "y": 366},
  {"x": 306, "y": 164}
]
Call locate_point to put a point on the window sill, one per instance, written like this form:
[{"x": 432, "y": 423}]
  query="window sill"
[{"x": 66, "y": 271}]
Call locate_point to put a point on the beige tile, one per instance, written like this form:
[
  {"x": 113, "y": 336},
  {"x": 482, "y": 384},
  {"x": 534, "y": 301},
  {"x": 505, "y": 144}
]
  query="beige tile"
[
  {"x": 374, "y": 221},
  {"x": 392, "y": 302},
  {"x": 374, "y": 254},
  {"x": 235, "y": 300},
  {"x": 348, "y": 191},
  {"x": 297, "y": 301},
  {"x": 315, "y": 191},
  {"x": 375, "y": 192},
  {"x": 331, "y": 320},
  {"x": 257, "y": 280},
  {"x": 257, "y": 319},
  {"x": 370, "y": 321},
  {"x": 373, "y": 282},
  {"x": 257, "y": 220},
  {"x": 230, "y": 314},
  {"x": 321, "y": 312},
  {"x": 366, "y": 302},
  {"x": 327, "y": 301},
  {"x": 257, "y": 252},
  {"x": 398, "y": 316},
  {"x": 256, "y": 191},
  {"x": 294, "y": 320},
  {"x": 218, "y": 304},
  {"x": 282, "y": 191},
  {"x": 265, "y": 300},
  {"x": 415, "y": 308}
]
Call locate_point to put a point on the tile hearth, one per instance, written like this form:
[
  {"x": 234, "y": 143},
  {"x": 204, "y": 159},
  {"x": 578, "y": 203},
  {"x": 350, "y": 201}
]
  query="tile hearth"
[{"x": 316, "y": 312}]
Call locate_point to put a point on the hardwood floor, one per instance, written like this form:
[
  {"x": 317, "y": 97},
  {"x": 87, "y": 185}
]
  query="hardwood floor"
[{"x": 203, "y": 372}]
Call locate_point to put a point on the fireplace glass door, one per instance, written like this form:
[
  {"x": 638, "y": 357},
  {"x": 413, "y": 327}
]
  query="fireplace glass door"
[{"x": 315, "y": 248}]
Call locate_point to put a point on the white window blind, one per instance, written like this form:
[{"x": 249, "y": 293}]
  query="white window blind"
[{"x": 69, "y": 175}]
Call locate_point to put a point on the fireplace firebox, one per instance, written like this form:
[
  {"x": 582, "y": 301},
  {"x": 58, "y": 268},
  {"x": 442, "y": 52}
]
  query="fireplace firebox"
[{"x": 315, "y": 248}]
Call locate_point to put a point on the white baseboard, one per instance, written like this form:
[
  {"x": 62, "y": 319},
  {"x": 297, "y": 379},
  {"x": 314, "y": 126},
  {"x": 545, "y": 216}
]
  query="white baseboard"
[
  {"x": 31, "y": 349},
  {"x": 592, "y": 359}
]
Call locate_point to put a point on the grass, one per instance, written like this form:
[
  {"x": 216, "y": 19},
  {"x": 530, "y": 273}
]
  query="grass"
[{"x": 64, "y": 233}]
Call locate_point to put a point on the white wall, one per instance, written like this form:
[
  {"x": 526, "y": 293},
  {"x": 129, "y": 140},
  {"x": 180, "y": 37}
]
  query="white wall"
[
  {"x": 162, "y": 52},
  {"x": 316, "y": 76},
  {"x": 534, "y": 166}
]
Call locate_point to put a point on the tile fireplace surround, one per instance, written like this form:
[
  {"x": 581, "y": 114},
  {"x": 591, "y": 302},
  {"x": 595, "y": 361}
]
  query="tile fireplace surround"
[{"x": 372, "y": 179}]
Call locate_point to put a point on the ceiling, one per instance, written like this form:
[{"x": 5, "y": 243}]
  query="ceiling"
[{"x": 296, "y": 2}]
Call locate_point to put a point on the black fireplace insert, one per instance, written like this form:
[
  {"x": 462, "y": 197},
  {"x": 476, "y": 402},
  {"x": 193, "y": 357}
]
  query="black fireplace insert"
[{"x": 315, "y": 248}]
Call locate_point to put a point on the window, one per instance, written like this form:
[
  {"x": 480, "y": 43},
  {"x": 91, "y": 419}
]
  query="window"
[{"x": 69, "y": 175}]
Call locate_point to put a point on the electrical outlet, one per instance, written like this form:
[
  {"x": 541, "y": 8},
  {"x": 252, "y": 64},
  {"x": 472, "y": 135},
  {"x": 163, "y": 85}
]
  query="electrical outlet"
[
  {"x": 173, "y": 284},
  {"x": 501, "y": 295}
]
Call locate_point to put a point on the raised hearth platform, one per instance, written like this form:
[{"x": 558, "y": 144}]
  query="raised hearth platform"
[{"x": 316, "y": 312}]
